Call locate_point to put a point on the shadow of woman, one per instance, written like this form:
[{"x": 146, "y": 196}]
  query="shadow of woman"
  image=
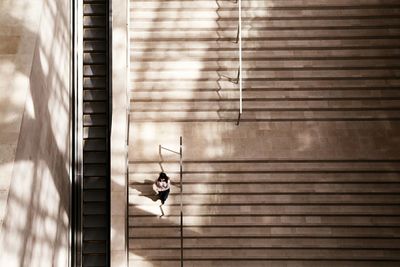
[{"x": 147, "y": 191}]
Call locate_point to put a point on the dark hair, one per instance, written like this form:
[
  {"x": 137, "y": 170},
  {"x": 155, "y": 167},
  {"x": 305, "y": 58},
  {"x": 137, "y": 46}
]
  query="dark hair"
[{"x": 163, "y": 176}]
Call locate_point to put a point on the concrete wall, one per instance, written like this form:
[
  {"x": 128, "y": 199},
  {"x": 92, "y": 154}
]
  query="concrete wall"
[
  {"x": 36, "y": 222},
  {"x": 119, "y": 134},
  {"x": 19, "y": 22}
]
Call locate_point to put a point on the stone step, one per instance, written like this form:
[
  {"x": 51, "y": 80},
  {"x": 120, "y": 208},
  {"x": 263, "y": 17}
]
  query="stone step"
[
  {"x": 290, "y": 85},
  {"x": 256, "y": 243},
  {"x": 266, "y": 75},
  {"x": 259, "y": 263},
  {"x": 265, "y": 45},
  {"x": 195, "y": 13},
  {"x": 268, "y": 105},
  {"x": 266, "y": 116},
  {"x": 273, "y": 199},
  {"x": 264, "y": 188},
  {"x": 201, "y": 210},
  {"x": 264, "y": 220},
  {"x": 272, "y": 166},
  {"x": 155, "y": 4},
  {"x": 141, "y": 178},
  {"x": 182, "y": 65},
  {"x": 278, "y": 55},
  {"x": 267, "y": 254},
  {"x": 279, "y": 140},
  {"x": 251, "y": 33},
  {"x": 151, "y": 263},
  {"x": 189, "y": 95},
  {"x": 277, "y": 114},
  {"x": 262, "y": 23},
  {"x": 264, "y": 104},
  {"x": 266, "y": 231}
]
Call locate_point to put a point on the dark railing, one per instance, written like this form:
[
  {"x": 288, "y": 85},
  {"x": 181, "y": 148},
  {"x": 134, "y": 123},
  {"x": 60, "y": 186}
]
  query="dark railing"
[
  {"x": 240, "y": 72},
  {"x": 180, "y": 153}
]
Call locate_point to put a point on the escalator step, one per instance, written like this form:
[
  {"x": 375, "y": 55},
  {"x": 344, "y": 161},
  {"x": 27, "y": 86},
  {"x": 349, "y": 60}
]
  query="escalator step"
[
  {"x": 94, "y": 248},
  {"x": 94, "y": 234},
  {"x": 94, "y": 9},
  {"x": 95, "y": 107},
  {"x": 94, "y": 21},
  {"x": 94, "y": 170},
  {"x": 93, "y": 33},
  {"x": 94, "y": 46},
  {"x": 94, "y": 183},
  {"x": 94, "y": 221},
  {"x": 94, "y": 208},
  {"x": 94, "y": 157},
  {"x": 94, "y": 82},
  {"x": 94, "y": 145},
  {"x": 95, "y": 120},
  {"x": 94, "y": 195},
  {"x": 94, "y": 58},
  {"x": 94, "y": 260},
  {"x": 94, "y": 132},
  {"x": 94, "y": 70}
]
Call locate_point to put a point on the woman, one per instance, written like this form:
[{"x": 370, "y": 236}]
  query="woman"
[{"x": 162, "y": 187}]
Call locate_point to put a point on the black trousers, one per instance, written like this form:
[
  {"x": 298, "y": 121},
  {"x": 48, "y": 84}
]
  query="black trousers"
[{"x": 163, "y": 195}]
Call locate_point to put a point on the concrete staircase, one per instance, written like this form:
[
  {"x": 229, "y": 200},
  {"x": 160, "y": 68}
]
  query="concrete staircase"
[
  {"x": 311, "y": 177},
  {"x": 317, "y": 61}
]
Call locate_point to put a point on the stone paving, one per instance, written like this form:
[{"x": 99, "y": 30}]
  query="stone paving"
[{"x": 310, "y": 177}]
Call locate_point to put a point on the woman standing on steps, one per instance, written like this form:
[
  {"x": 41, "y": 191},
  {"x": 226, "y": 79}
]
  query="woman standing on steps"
[{"x": 162, "y": 187}]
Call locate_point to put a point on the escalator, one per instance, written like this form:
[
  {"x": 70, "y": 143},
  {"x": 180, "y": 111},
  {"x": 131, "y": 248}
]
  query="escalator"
[{"x": 92, "y": 229}]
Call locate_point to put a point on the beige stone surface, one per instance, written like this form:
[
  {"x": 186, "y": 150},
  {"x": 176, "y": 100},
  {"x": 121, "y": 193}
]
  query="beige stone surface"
[
  {"x": 20, "y": 21},
  {"x": 310, "y": 177},
  {"x": 35, "y": 137},
  {"x": 119, "y": 150}
]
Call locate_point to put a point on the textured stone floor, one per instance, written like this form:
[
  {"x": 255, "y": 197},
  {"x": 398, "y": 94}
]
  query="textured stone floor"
[{"x": 310, "y": 177}]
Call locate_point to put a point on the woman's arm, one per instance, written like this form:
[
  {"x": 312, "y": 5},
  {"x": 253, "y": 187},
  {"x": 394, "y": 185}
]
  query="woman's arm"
[{"x": 155, "y": 187}]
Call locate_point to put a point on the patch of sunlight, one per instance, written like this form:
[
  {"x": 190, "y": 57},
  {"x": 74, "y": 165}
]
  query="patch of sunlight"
[
  {"x": 63, "y": 253},
  {"x": 7, "y": 68},
  {"x": 184, "y": 65},
  {"x": 44, "y": 63},
  {"x": 26, "y": 11},
  {"x": 49, "y": 200},
  {"x": 8, "y": 259},
  {"x": 153, "y": 209},
  {"x": 6, "y": 167},
  {"x": 20, "y": 83},
  {"x": 305, "y": 140},
  {"x": 193, "y": 220},
  {"x": 147, "y": 132},
  {"x": 216, "y": 150},
  {"x": 47, "y": 30},
  {"x": 29, "y": 106},
  {"x": 60, "y": 130},
  {"x": 10, "y": 117},
  {"x": 136, "y": 257},
  {"x": 17, "y": 218}
]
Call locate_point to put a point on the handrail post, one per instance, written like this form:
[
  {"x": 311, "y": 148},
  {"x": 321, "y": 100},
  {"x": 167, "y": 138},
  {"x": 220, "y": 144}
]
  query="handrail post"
[
  {"x": 181, "y": 185},
  {"x": 181, "y": 193},
  {"x": 240, "y": 72}
]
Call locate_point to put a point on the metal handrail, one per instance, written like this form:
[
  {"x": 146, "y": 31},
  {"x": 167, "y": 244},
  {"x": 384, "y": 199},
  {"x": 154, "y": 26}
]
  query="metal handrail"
[
  {"x": 240, "y": 72},
  {"x": 181, "y": 187},
  {"x": 181, "y": 184}
]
